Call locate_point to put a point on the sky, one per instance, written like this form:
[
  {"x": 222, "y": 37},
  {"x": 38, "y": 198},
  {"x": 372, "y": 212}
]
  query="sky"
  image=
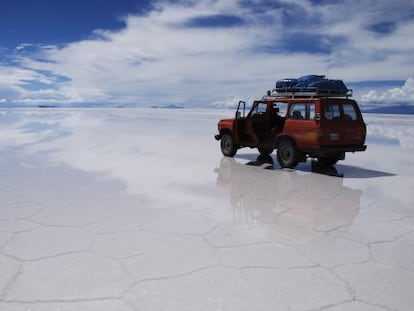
[{"x": 200, "y": 53}]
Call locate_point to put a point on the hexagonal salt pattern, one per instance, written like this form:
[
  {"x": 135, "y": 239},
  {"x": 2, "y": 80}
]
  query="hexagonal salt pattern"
[
  {"x": 136, "y": 210},
  {"x": 69, "y": 277},
  {"x": 46, "y": 242}
]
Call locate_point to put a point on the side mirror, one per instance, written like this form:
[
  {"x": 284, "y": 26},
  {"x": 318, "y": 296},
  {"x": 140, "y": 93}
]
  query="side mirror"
[
  {"x": 269, "y": 93},
  {"x": 317, "y": 117}
]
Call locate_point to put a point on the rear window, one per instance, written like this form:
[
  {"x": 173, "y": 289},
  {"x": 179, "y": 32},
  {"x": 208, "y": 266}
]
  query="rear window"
[
  {"x": 349, "y": 112},
  {"x": 340, "y": 111},
  {"x": 332, "y": 112}
]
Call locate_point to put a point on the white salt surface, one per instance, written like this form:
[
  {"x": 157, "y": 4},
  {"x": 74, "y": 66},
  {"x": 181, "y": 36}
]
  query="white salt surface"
[{"x": 118, "y": 209}]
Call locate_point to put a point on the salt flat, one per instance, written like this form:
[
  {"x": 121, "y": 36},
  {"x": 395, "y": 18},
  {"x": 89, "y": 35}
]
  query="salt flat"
[{"x": 136, "y": 209}]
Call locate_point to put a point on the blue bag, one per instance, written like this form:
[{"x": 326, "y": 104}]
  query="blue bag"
[
  {"x": 286, "y": 84},
  {"x": 312, "y": 83}
]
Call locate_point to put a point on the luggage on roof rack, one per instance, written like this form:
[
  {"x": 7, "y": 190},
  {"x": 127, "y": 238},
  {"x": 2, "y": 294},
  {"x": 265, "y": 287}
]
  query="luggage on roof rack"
[
  {"x": 286, "y": 83},
  {"x": 318, "y": 85},
  {"x": 310, "y": 92}
]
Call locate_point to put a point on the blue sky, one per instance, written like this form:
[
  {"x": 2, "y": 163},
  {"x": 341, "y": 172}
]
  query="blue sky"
[
  {"x": 200, "y": 53},
  {"x": 57, "y": 22}
]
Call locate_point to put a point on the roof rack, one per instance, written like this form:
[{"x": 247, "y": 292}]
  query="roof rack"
[{"x": 310, "y": 92}]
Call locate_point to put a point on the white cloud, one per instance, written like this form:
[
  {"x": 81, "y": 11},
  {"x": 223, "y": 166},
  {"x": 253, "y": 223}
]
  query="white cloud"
[
  {"x": 158, "y": 59},
  {"x": 404, "y": 94},
  {"x": 393, "y": 127},
  {"x": 23, "y": 46},
  {"x": 15, "y": 87},
  {"x": 230, "y": 103}
]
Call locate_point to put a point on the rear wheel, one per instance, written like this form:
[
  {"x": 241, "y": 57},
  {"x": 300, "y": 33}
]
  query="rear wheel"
[
  {"x": 287, "y": 154},
  {"x": 227, "y": 146},
  {"x": 265, "y": 151},
  {"x": 328, "y": 160}
]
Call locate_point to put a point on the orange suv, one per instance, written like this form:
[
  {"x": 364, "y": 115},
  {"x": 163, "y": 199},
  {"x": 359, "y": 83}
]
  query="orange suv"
[{"x": 321, "y": 125}]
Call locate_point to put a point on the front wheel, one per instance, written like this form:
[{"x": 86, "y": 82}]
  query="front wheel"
[
  {"x": 287, "y": 154},
  {"x": 227, "y": 146}
]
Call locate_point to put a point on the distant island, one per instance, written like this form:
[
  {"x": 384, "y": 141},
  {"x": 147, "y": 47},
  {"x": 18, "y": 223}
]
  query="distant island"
[
  {"x": 396, "y": 109},
  {"x": 47, "y": 106},
  {"x": 171, "y": 106},
  {"x": 404, "y": 108}
]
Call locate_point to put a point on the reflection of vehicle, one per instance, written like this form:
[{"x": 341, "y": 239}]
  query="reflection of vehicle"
[
  {"x": 282, "y": 199},
  {"x": 311, "y": 125}
]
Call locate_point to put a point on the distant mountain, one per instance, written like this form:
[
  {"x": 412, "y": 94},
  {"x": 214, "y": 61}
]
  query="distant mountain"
[
  {"x": 48, "y": 106},
  {"x": 172, "y": 106},
  {"x": 395, "y": 109}
]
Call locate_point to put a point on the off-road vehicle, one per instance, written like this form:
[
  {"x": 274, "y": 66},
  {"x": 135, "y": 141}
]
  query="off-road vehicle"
[{"x": 316, "y": 123}]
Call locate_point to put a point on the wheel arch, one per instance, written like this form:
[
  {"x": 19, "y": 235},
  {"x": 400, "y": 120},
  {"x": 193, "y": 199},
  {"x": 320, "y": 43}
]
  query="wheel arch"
[
  {"x": 225, "y": 131},
  {"x": 282, "y": 138}
]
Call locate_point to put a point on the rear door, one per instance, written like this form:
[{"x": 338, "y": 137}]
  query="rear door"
[
  {"x": 341, "y": 123},
  {"x": 354, "y": 126}
]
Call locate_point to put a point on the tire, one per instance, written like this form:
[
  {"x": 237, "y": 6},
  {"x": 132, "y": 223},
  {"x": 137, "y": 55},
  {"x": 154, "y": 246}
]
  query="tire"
[
  {"x": 328, "y": 160},
  {"x": 265, "y": 151},
  {"x": 287, "y": 154},
  {"x": 227, "y": 146}
]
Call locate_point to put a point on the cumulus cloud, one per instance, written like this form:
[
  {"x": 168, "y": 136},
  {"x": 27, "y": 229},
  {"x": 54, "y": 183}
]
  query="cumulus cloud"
[
  {"x": 399, "y": 95},
  {"x": 205, "y": 52},
  {"x": 397, "y": 129},
  {"x": 228, "y": 103}
]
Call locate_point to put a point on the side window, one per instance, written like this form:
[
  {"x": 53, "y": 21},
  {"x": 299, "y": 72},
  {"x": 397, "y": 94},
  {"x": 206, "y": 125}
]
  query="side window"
[
  {"x": 260, "y": 109},
  {"x": 311, "y": 111},
  {"x": 282, "y": 107},
  {"x": 332, "y": 112},
  {"x": 302, "y": 111},
  {"x": 297, "y": 111},
  {"x": 349, "y": 112}
]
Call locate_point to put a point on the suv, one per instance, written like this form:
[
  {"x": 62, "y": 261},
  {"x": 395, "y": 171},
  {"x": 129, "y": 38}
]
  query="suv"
[{"x": 299, "y": 125}]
